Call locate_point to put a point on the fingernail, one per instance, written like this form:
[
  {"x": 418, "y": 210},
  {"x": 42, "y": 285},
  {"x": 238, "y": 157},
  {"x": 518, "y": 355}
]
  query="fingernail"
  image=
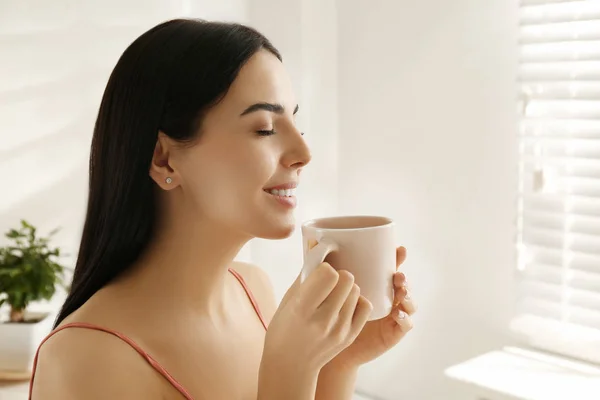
[
  {"x": 399, "y": 279},
  {"x": 407, "y": 297},
  {"x": 399, "y": 315}
]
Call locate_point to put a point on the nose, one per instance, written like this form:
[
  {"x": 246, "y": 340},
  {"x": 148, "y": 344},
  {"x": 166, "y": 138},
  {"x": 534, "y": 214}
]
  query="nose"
[{"x": 298, "y": 154}]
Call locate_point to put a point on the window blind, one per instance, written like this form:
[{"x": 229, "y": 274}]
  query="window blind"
[{"x": 558, "y": 221}]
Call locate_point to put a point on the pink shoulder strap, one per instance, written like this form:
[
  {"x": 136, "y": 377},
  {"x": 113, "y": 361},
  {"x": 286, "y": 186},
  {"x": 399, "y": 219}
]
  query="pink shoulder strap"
[
  {"x": 250, "y": 296},
  {"x": 155, "y": 364}
]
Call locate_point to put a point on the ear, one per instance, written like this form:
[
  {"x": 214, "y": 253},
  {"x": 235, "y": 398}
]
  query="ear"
[{"x": 160, "y": 169}]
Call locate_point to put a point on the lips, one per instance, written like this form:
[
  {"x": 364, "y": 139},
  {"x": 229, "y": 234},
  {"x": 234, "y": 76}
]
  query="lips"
[
  {"x": 285, "y": 194},
  {"x": 289, "y": 185}
]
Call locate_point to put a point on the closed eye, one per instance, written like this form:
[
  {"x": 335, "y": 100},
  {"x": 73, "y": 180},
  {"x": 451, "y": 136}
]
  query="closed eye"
[
  {"x": 265, "y": 132},
  {"x": 271, "y": 132}
]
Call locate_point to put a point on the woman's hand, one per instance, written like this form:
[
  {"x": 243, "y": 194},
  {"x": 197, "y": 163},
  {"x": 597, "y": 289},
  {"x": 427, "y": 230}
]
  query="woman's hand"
[
  {"x": 379, "y": 336},
  {"x": 315, "y": 321}
]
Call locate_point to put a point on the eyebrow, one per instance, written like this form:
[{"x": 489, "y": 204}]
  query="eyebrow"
[{"x": 271, "y": 107}]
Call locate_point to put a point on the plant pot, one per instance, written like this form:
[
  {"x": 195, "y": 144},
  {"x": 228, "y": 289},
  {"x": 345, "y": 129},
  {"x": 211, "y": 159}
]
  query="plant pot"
[{"x": 20, "y": 340}]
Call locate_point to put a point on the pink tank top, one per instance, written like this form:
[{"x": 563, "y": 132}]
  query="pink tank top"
[{"x": 155, "y": 364}]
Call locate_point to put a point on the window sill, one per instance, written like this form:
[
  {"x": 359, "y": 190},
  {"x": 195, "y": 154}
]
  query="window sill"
[
  {"x": 13, "y": 391},
  {"x": 514, "y": 373}
]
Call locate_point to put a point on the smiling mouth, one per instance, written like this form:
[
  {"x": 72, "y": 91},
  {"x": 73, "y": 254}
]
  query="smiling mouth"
[
  {"x": 282, "y": 192},
  {"x": 284, "y": 197}
]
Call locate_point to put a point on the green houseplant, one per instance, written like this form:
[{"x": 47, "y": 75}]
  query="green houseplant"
[{"x": 29, "y": 270}]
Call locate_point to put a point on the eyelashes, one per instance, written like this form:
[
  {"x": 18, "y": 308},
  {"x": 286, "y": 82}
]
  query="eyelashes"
[{"x": 265, "y": 132}]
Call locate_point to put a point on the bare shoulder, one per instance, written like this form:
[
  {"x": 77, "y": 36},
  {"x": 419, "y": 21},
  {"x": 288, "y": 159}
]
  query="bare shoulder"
[
  {"x": 253, "y": 275},
  {"x": 259, "y": 283},
  {"x": 85, "y": 364}
]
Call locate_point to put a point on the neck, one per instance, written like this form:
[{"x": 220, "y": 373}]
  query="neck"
[{"x": 186, "y": 265}]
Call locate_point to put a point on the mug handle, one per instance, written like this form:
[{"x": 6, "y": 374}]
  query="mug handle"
[{"x": 316, "y": 256}]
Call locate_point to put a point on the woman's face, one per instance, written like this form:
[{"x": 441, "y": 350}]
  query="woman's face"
[{"x": 242, "y": 170}]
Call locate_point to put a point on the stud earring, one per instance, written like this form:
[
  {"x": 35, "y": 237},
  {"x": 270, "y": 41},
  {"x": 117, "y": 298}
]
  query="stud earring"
[{"x": 169, "y": 180}]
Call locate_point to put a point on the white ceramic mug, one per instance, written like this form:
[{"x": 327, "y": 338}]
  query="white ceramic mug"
[{"x": 362, "y": 245}]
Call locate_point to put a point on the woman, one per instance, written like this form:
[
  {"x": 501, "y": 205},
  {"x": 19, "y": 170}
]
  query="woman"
[{"x": 195, "y": 131}]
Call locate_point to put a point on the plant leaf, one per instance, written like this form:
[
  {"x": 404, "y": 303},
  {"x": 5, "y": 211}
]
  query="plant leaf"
[{"x": 29, "y": 268}]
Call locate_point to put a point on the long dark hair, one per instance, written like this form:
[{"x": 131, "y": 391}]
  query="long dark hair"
[{"x": 164, "y": 81}]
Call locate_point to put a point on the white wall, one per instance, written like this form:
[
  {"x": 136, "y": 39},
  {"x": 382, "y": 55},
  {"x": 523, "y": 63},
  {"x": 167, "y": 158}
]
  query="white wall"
[{"x": 427, "y": 134}]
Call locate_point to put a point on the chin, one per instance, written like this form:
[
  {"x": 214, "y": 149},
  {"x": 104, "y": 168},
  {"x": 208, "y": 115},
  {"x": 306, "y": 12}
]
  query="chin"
[
  {"x": 278, "y": 229},
  {"x": 285, "y": 232},
  {"x": 279, "y": 232}
]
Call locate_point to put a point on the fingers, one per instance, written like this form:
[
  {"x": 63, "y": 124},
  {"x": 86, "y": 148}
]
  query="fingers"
[
  {"x": 349, "y": 307},
  {"x": 361, "y": 315},
  {"x": 339, "y": 295},
  {"x": 400, "y": 256},
  {"x": 318, "y": 285},
  {"x": 402, "y": 295},
  {"x": 403, "y": 322},
  {"x": 399, "y": 280}
]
